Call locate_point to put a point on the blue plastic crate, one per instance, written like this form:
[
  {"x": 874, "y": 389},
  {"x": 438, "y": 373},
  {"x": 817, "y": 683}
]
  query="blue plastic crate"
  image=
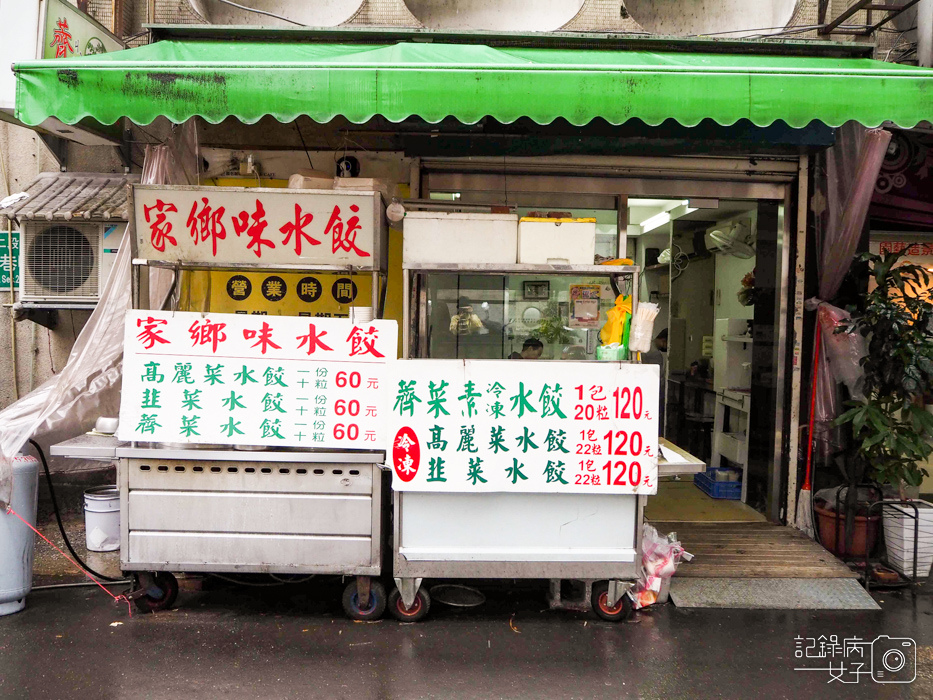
[{"x": 726, "y": 490}]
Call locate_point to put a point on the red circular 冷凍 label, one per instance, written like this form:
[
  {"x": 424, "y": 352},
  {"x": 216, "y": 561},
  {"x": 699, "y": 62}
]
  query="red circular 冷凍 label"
[{"x": 406, "y": 454}]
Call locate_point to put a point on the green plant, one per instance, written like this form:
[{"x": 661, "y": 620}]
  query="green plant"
[
  {"x": 891, "y": 430},
  {"x": 551, "y": 327}
]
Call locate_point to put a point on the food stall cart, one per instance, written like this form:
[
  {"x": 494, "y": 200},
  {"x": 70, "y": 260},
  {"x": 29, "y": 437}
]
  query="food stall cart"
[
  {"x": 505, "y": 468},
  {"x": 252, "y": 442}
]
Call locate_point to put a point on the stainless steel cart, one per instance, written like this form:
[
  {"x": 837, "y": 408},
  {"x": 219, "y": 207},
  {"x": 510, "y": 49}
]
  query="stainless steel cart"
[
  {"x": 232, "y": 511},
  {"x": 591, "y": 538}
]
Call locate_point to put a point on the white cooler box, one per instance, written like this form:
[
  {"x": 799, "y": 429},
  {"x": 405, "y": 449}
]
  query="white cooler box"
[
  {"x": 556, "y": 241},
  {"x": 444, "y": 237}
]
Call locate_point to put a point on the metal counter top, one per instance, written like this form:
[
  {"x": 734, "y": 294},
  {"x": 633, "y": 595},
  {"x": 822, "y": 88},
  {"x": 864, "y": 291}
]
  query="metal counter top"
[{"x": 108, "y": 448}]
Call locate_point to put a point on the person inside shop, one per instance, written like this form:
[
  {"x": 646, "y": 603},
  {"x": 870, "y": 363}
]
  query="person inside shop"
[
  {"x": 531, "y": 350},
  {"x": 466, "y": 321},
  {"x": 658, "y": 356}
]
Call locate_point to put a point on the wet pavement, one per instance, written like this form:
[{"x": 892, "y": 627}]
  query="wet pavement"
[{"x": 292, "y": 641}]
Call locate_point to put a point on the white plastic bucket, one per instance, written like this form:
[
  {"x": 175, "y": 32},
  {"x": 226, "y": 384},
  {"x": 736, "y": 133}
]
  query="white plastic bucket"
[
  {"x": 102, "y": 518},
  {"x": 361, "y": 314},
  {"x": 18, "y": 542}
]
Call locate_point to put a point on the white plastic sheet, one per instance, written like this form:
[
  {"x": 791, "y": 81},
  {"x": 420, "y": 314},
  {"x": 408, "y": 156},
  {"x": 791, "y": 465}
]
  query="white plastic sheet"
[{"x": 69, "y": 403}]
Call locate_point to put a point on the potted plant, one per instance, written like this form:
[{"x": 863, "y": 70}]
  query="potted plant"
[{"x": 890, "y": 428}]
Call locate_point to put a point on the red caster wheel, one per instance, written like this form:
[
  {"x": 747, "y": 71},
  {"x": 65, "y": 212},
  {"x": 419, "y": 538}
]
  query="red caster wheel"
[
  {"x": 615, "y": 613},
  {"x": 418, "y": 610}
]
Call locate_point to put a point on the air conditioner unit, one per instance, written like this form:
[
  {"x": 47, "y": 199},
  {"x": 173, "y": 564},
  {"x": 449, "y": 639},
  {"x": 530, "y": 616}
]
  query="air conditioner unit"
[{"x": 67, "y": 261}]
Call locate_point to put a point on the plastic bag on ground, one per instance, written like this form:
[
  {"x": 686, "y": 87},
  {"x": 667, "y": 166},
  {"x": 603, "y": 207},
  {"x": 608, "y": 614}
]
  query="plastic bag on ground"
[{"x": 660, "y": 556}]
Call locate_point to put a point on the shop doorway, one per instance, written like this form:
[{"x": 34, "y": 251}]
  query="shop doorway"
[
  {"x": 698, "y": 260},
  {"x": 714, "y": 256}
]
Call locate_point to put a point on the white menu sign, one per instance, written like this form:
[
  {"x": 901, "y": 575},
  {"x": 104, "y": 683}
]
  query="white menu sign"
[
  {"x": 266, "y": 226},
  {"x": 255, "y": 380},
  {"x": 513, "y": 425}
]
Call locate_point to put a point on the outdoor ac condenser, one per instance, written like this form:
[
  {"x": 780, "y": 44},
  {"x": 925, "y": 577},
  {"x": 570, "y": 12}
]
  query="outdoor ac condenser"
[{"x": 66, "y": 261}]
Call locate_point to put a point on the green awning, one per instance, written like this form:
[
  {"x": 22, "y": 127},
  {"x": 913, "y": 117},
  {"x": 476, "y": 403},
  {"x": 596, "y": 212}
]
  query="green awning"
[{"x": 248, "y": 80}]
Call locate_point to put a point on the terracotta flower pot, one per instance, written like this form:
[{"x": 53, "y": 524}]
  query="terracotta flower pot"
[{"x": 864, "y": 533}]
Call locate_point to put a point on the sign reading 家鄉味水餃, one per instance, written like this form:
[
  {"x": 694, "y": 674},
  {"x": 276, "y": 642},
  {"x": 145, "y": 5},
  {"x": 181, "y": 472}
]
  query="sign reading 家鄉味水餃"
[
  {"x": 70, "y": 33},
  {"x": 255, "y": 380},
  {"x": 471, "y": 426},
  {"x": 258, "y": 226}
]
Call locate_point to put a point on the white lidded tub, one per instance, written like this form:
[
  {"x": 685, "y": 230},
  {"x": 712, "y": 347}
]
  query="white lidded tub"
[
  {"x": 102, "y": 518},
  {"x": 18, "y": 542}
]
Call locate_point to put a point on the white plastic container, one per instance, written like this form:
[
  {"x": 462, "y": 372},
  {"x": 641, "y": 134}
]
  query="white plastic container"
[
  {"x": 361, "y": 314},
  {"x": 18, "y": 542},
  {"x": 455, "y": 237},
  {"x": 102, "y": 519},
  {"x": 899, "y": 538},
  {"x": 556, "y": 241}
]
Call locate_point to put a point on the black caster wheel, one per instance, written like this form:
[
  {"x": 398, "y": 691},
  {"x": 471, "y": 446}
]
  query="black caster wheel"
[
  {"x": 168, "y": 586},
  {"x": 617, "y": 613},
  {"x": 418, "y": 610},
  {"x": 377, "y": 602}
]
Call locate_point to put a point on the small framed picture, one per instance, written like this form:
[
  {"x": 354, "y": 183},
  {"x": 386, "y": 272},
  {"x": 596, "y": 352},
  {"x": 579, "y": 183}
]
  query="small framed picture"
[{"x": 536, "y": 291}]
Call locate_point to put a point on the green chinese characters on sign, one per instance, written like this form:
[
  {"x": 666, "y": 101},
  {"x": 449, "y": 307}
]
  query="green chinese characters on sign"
[
  {"x": 191, "y": 400},
  {"x": 272, "y": 403},
  {"x": 406, "y": 398},
  {"x": 437, "y": 399},
  {"x": 524, "y": 440},
  {"x": 554, "y": 472},
  {"x": 555, "y": 441},
  {"x": 147, "y": 423},
  {"x": 189, "y": 425},
  {"x": 520, "y": 402},
  {"x": 233, "y": 401},
  {"x": 277, "y": 376},
  {"x": 151, "y": 398},
  {"x": 515, "y": 471},
  {"x": 467, "y": 434},
  {"x": 437, "y": 441},
  {"x": 436, "y": 469},
  {"x": 550, "y": 401},
  {"x": 475, "y": 471},
  {"x": 231, "y": 427},
  {"x": 212, "y": 374},
  {"x": 244, "y": 376},
  {"x": 183, "y": 373},
  {"x": 497, "y": 440},
  {"x": 152, "y": 373},
  {"x": 469, "y": 396}
]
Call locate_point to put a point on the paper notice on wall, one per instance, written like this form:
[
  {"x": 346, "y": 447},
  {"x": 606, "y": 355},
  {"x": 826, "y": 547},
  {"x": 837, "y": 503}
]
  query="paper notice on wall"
[{"x": 584, "y": 305}]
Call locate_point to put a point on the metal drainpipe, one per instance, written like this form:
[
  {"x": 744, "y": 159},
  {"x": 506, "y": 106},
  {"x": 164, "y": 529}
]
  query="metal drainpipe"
[
  {"x": 9, "y": 249},
  {"x": 925, "y": 33}
]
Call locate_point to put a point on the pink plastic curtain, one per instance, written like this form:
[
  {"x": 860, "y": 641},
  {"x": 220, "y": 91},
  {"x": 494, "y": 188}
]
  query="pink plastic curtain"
[{"x": 851, "y": 169}]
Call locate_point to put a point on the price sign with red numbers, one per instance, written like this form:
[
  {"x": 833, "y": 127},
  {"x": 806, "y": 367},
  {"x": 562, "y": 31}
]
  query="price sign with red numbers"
[
  {"x": 521, "y": 425},
  {"x": 263, "y": 226},
  {"x": 255, "y": 380}
]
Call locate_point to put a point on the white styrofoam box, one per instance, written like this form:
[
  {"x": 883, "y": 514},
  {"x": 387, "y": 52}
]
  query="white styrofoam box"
[
  {"x": 899, "y": 538},
  {"x": 557, "y": 241},
  {"x": 456, "y": 237}
]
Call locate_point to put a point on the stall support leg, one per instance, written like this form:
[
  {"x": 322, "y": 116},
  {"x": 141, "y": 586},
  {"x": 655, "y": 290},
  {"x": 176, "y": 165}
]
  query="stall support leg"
[
  {"x": 362, "y": 591},
  {"x": 617, "y": 589},
  {"x": 408, "y": 589}
]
